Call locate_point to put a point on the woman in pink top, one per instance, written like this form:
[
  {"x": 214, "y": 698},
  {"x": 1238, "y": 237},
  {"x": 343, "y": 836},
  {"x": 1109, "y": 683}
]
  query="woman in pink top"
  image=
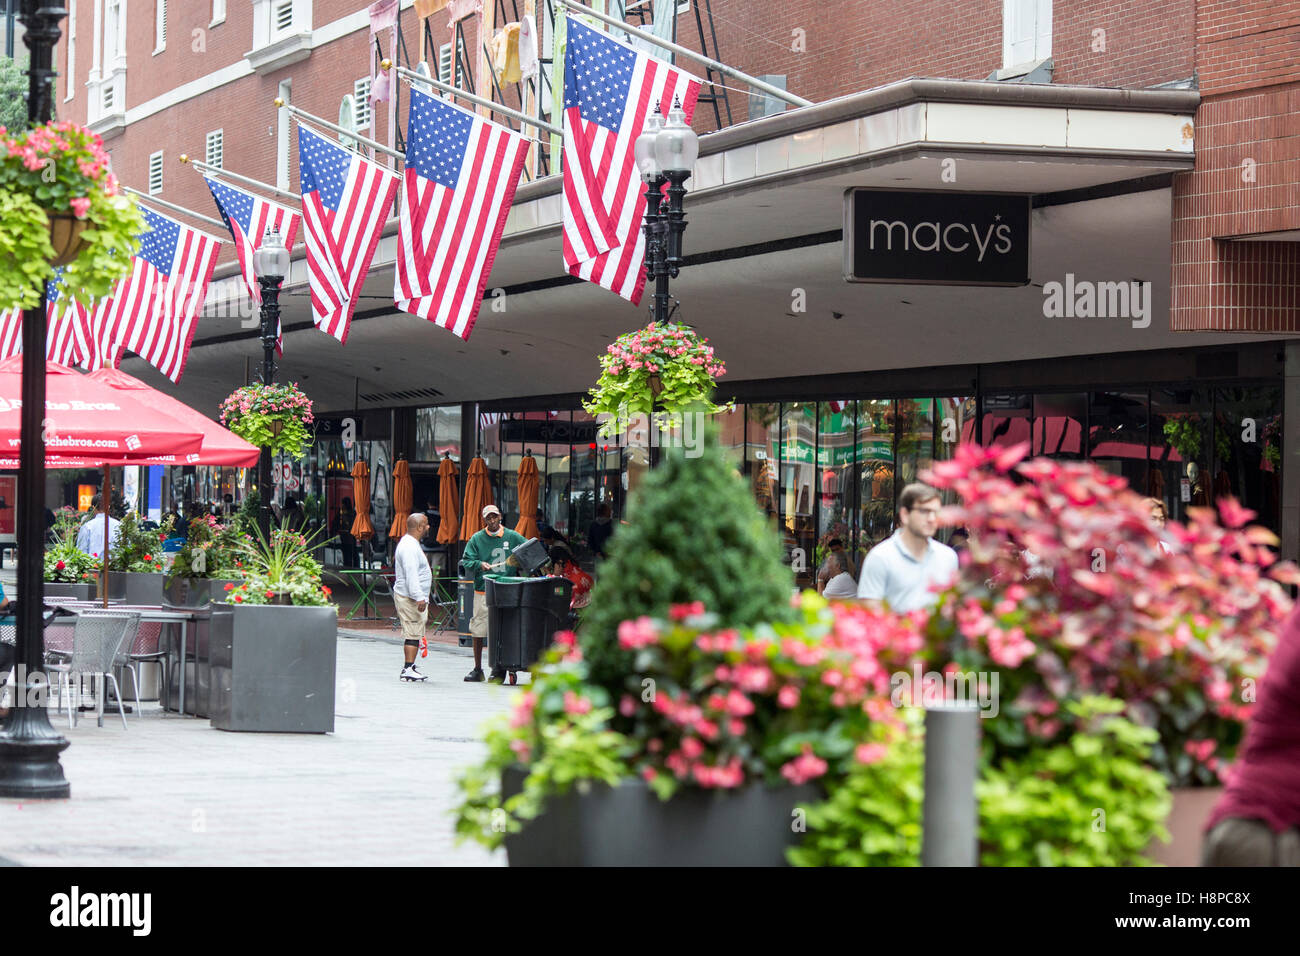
[{"x": 1257, "y": 821}]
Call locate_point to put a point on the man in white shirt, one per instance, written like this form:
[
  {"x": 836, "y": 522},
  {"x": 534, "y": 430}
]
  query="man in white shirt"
[
  {"x": 901, "y": 570},
  {"x": 90, "y": 538},
  {"x": 412, "y": 579}
]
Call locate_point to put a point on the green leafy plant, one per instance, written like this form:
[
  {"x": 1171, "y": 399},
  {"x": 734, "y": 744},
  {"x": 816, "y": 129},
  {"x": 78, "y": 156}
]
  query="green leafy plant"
[
  {"x": 137, "y": 549},
  {"x": 13, "y": 94},
  {"x": 279, "y": 569},
  {"x": 694, "y": 533},
  {"x": 211, "y": 550},
  {"x": 672, "y": 359},
  {"x": 271, "y": 416},
  {"x": 64, "y": 561},
  {"x": 61, "y": 169},
  {"x": 1089, "y": 801}
]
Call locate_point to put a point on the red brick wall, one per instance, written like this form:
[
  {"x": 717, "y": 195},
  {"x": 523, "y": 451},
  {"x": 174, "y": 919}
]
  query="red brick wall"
[
  {"x": 1246, "y": 44},
  {"x": 1247, "y": 177},
  {"x": 1142, "y": 42}
]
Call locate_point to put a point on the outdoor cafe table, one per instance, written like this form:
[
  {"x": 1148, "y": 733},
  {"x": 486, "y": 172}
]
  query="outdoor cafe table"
[
  {"x": 149, "y": 614},
  {"x": 366, "y": 581}
]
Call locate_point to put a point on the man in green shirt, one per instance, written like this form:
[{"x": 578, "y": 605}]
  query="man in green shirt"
[{"x": 486, "y": 550}]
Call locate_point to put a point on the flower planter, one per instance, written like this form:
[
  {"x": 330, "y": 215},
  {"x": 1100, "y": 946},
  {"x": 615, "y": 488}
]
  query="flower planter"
[
  {"x": 65, "y": 237},
  {"x": 136, "y": 587},
  {"x": 195, "y": 592},
  {"x": 273, "y": 668},
  {"x": 629, "y": 826},
  {"x": 1186, "y": 825},
  {"x": 75, "y": 592}
]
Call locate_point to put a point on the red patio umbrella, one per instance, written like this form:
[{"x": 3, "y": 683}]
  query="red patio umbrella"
[{"x": 90, "y": 419}]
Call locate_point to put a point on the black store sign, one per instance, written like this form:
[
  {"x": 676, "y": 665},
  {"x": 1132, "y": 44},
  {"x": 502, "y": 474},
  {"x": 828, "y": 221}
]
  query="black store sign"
[
  {"x": 537, "y": 432},
  {"x": 943, "y": 238}
]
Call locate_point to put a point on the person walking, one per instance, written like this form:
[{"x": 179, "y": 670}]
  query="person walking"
[
  {"x": 412, "y": 580},
  {"x": 486, "y": 550},
  {"x": 90, "y": 539},
  {"x": 1257, "y": 820},
  {"x": 903, "y": 568}
]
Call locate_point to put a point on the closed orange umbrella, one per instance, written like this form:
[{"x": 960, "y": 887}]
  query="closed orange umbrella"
[
  {"x": 402, "y": 495},
  {"x": 477, "y": 495},
  {"x": 362, "y": 529},
  {"x": 448, "y": 502},
  {"x": 528, "y": 484}
]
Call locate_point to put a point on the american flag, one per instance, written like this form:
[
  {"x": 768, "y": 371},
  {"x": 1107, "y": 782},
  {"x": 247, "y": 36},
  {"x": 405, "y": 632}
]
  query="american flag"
[
  {"x": 153, "y": 310},
  {"x": 248, "y": 217},
  {"x": 66, "y": 329},
  {"x": 460, "y": 179},
  {"x": 345, "y": 202},
  {"x": 609, "y": 91}
]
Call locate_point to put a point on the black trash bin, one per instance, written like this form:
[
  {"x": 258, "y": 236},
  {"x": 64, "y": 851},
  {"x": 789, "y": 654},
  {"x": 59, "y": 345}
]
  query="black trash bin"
[
  {"x": 464, "y": 609},
  {"x": 523, "y": 616}
]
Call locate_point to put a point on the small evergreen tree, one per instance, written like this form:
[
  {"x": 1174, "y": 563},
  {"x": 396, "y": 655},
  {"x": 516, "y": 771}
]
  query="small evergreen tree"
[
  {"x": 13, "y": 95},
  {"x": 694, "y": 533}
]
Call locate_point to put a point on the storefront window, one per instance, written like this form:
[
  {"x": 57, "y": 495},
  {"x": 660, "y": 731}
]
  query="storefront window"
[
  {"x": 762, "y": 435},
  {"x": 1059, "y": 422},
  {"x": 584, "y": 471},
  {"x": 1117, "y": 435},
  {"x": 836, "y": 453},
  {"x": 799, "y": 484},
  {"x": 555, "y": 498},
  {"x": 875, "y": 475},
  {"x": 1006, "y": 419},
  {"x": 1247, "y": 449},
  {"x": 954, "y": 424},
  {"x": 915, "y": 429},
  {"x": 437, "y": 432},
  {"x": 1180, "y": 448}
]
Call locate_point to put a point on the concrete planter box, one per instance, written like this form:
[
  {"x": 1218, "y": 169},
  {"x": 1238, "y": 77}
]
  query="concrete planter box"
[
  {"x": 75, "y": 592},
  {"x": 134, "y": 587},
  {"x": 1186, "y": 825},
  {"x": 273, "y": 668},
  {"x": 195, "y": 592},
  {"x": 630, "y": 826}
]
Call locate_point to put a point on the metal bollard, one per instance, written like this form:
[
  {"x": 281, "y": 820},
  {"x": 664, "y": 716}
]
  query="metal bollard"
[{"x": 950, "y": 817}]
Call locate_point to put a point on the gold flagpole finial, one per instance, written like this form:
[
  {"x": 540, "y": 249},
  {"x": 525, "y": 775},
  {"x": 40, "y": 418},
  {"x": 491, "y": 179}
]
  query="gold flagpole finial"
[
  {"x": 185, "y": 158},
  {"x": 386, "y": 63},
  {"x": 279, "y": 101}
]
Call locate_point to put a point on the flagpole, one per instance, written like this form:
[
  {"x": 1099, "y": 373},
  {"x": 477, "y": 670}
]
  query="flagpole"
[
  {"x": 246, "y": 180},
  {"x": 564, "y": 6},
  {"x": 412, "y": 77},
  {"x": 175, "y": 208},
  {"x": 300, "y": 114}
]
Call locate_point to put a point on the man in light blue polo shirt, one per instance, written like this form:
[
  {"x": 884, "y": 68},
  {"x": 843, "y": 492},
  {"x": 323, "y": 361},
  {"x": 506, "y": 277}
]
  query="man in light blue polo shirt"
[{"x": 901, "y": 570}]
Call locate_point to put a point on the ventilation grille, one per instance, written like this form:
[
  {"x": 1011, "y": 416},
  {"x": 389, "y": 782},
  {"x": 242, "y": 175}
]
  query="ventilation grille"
[
  {"x": 155, "y": 174},
  {"x": 409, "y": 395},
  {"x": 284, "y": 15},
  {"x": 361, "y": 102},
  {"x": 215, "y": 148}
]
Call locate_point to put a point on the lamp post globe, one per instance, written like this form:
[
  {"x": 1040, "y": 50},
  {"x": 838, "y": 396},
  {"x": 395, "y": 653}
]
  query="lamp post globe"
[
  {"x": 676, "y": 144},
  {"x": 645, "y": 149}
]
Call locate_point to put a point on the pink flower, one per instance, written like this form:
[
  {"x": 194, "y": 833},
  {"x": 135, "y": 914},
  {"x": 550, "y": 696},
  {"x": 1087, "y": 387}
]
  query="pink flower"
[
  {"x": 627, "y": 706},
  {"x": 638, "y": 633},
  {"x": 679, "y": 612},
  {"x": 649, "y": 773},
  {"x": 522, "y": 715},
  {"x": 788, "y": 696},
  {"x": 870, "y": 753},
  {"x": 692, "y": 748},
  {"x": 522, "y": 749},
  {"x": 807, "y": 766},
  {"x": 575, "y": 705},
  {"x": 81, "y": 207}
]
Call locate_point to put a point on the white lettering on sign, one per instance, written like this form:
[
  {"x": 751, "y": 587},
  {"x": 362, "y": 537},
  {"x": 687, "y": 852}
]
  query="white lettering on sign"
[{"x": 938, "y": 238}]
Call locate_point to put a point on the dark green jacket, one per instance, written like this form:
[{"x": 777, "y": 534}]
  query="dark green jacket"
[{"x": 483, "y": 547}]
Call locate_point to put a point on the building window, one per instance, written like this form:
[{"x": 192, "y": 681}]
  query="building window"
[
  {"x": 282, "y": 137},
  {"x": 106, "y": 84},
  {"x": 281, "y": 34},
  {"x": 361, "y": 102},
  {"x": 214, "y": 150},
  {"x": 70, "y": 78},
  {"x": 155, "y": 173},
  {"x": 1026, "y": 31},
  {"x": 160, "y": 26},
  {"x": 218, "y": 12},
  {"x": 446, "y": 57}
]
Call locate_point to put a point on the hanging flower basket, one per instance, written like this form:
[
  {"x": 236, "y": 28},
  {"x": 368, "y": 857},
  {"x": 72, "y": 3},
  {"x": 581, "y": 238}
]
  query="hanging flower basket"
[
  {"x": 661, "y": 369},
  {"x": 61, "y": 207},
  {"x": 271, "y": 416}
]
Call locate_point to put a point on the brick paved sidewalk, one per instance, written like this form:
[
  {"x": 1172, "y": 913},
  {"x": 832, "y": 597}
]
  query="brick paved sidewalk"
[{"x": 172, "y": 791}]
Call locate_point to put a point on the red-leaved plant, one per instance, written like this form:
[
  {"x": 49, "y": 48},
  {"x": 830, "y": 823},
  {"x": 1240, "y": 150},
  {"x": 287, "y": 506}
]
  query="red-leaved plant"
[{"x": 1067, "y": 588}]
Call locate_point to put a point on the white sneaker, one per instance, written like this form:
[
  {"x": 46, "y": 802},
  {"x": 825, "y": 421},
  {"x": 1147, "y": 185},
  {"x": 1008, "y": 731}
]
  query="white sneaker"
[{"x": 410, "y": 673}]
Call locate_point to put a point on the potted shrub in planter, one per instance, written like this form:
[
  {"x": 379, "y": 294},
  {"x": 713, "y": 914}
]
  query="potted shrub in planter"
[
  {"x": 1067, "y": 589},
  {"x": 135, "y": 561},
  {"x": 212, "y": 556},
  {"x": 273, "y": 643},
  {"x": 60, "y": 206},
  {"x": 69, "y": 571},
  {"x": 695, "y": 699}
]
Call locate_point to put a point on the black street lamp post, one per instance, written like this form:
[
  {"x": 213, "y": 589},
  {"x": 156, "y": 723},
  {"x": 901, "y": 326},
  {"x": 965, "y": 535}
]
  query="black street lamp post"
[
  {"x": 665, "y": 154},
  {"x": 29, "y": 744},
  {"x": 271, "y": 263}
]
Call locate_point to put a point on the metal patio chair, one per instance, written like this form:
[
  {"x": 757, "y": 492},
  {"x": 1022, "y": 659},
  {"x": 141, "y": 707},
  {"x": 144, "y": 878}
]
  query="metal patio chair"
[
  {"x": 143, "y": 647},
  {"x": 96, "y": 638}
]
